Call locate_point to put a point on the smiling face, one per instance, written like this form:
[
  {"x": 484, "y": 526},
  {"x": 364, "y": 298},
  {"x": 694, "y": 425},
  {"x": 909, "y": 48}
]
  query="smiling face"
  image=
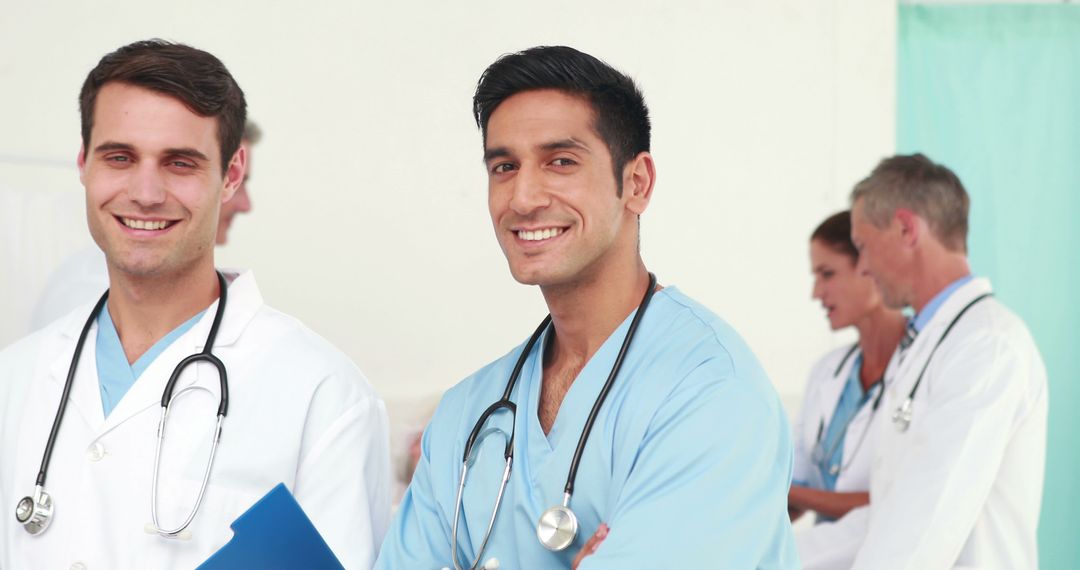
[
  {"x": 845, "y": 294},
  {"x": 154, "y": 181},
  {"x": 883, "y": 257},
  {"x": 552, "y": 196}
]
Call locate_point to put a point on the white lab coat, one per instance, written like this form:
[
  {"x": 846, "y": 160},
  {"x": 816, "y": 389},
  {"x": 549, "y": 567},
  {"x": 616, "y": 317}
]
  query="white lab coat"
[
  {"x": 823, "y": 389},
  {"x": 299, "y": 413},
  {"x": 962, "y": 487}
]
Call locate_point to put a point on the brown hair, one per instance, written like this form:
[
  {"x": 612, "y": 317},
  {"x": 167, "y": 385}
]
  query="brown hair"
[
  {"x": 835, "y": 232},
  {"x": 918, "y": 184},
  {"x": 194, "y": 77}
]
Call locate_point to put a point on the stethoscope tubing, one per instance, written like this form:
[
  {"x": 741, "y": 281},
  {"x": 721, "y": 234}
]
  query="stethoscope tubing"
[
  {"x": 204, "y": 356},
  {"x": 595, "y": 411},
  {"x": 59, "y": 418},
  {"x": 505, "y": 403},
  {"x": 880, "y": 384}
]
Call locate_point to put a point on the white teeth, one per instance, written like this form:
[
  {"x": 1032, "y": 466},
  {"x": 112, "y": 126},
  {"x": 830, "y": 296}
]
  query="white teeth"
[
  {"x": 538, "y": 235},
  {"x": 144, "y": 224}
]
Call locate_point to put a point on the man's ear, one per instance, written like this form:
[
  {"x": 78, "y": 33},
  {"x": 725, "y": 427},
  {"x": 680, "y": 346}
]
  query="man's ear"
[
  {"x": 911, "y": 226},
  {"x": 234, "y": 174},
  {"x": 639, "y": 177},
  {"x": 80, "y": 161}
]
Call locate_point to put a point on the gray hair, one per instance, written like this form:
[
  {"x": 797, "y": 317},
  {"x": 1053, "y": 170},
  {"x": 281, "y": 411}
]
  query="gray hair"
[
  {"x": 252, "y": 132},
  {"x": 916, "y": 183}
]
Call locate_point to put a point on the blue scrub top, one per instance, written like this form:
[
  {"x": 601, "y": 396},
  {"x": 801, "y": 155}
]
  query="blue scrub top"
[
  {"x": 115, "y": 375},
  {"x": 852, "y": 399},
  {"x": 689, "y": 462}
]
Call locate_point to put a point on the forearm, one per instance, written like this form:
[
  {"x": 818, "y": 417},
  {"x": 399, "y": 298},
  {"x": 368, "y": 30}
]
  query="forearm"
[{"x": 828, "y": 503}]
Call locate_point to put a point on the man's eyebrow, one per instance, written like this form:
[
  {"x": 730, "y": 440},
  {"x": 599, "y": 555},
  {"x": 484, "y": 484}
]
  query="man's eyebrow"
[
  {"x": 180, "y": 151},
  {"x": 565, "y": 144},
  {"x": 186, "y": 151},
  {"x": 497, "y": 152},
  {"x": 108, "y": 146},
  {"x": 561, "y": 144}
]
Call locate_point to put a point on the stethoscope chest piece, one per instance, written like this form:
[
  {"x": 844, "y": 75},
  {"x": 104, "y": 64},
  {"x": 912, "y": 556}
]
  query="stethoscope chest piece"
[
  {"x": 557, "y": 528},
  {"x": 35, "y": 513},
  {"x": 902, "y": 416}
]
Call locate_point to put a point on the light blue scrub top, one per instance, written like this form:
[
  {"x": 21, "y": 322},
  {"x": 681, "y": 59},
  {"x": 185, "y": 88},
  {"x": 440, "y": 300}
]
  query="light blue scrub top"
[
  {"x": 115, "y": 375},
  {"x": 689, "y": 462}
]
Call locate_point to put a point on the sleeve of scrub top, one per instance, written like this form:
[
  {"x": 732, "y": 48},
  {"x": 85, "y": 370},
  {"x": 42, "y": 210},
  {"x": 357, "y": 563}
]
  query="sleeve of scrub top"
[
  {"x": 968, "y": 408},
  {"x": 710, "y": 485},
  {"x": 419, "y": 536},
  {"x": 343, "y": 482}
]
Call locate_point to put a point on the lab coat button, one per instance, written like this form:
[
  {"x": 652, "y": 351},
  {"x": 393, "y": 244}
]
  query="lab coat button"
[
  {"x": 95, "y": 453},
  {"x": 78, "y": 566}
]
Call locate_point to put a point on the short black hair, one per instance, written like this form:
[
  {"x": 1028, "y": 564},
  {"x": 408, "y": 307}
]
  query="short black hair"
[{"x": 621, "y": 116}]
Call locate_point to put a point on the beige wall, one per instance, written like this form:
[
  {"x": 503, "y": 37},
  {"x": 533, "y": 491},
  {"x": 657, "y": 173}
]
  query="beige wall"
[{"x": 370, "y": 219}]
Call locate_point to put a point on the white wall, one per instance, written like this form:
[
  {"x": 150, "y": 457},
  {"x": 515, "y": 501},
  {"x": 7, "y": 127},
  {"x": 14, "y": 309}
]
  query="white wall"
[{"x": 370, "y": 219}]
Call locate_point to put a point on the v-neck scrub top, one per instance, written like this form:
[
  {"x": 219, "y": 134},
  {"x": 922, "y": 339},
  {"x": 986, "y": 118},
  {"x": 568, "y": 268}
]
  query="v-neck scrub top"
[{"x": 689, "y": 462}]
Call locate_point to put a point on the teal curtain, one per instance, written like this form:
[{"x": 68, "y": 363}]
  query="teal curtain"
[{"x": 993, "y": 92}]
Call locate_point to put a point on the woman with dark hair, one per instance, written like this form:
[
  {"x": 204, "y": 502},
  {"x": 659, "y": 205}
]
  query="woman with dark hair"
[{"x": 833, "y": 444}]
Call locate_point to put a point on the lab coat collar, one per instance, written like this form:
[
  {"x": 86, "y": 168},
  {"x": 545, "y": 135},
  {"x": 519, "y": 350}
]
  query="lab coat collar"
[
  {"x": 85, "y": 397},
  {"x": 952, "y": 306},
  {"x": 244, "y": 301},
  {"x": 931, "y": 333},
  {"x": 834, "y": 385}
]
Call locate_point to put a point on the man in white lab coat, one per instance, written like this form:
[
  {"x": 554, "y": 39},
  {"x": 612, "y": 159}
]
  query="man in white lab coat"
[
  {"x": 958, "y": 470},
  {"x": 161, "y": 126}
]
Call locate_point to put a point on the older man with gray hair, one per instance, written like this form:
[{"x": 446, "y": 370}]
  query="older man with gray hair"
[{"x": 961, "y": 438}]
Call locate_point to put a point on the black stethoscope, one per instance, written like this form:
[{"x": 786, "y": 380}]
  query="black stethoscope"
[
  {"x": 558, "y": 526},
  {"x": 902, "y": 416},
  {"x": 35, "y": 512},
  {"x": 819, "y": 455}
]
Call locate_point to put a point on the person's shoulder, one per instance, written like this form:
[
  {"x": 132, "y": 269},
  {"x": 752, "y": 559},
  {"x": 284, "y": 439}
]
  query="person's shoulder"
[
  {"x": 709, "y": 359},
  {"x": 22, "y": 360},
  {"x": 706, "y": 338},
  {"x": 298, "y": 336},
  {"x": 990, "y": 325}
]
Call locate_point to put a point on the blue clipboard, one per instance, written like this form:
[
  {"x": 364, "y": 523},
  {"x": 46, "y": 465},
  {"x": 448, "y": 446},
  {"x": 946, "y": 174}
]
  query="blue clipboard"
[{"x": 274, "y": 534}]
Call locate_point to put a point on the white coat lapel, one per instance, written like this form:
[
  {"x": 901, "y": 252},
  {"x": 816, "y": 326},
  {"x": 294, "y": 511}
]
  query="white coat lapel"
[
  {"x": 243, "y": 300},
  {"x": 85, "y": 396},
  {"x": 832, "y": 388},
  {"x": 905, "y": 371}
]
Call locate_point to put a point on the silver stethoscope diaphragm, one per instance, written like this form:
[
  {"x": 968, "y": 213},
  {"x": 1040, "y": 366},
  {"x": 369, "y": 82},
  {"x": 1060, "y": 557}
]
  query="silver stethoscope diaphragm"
[
  {"x": 35, "y": 513},
  {"x": 902, "y": 416},
  {"x": 558, "y": 526}
]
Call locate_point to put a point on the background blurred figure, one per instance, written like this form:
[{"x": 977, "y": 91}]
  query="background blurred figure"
[
  {"x": 241, "y": 201},
  {"x": 957, "y": 474},
  {"x": 833, "y": 440},
  {"x": 82, "y": 278}
]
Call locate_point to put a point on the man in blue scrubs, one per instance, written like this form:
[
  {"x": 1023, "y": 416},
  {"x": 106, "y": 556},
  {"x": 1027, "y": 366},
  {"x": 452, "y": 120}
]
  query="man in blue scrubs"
[{"x": 688, "y": 463}]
